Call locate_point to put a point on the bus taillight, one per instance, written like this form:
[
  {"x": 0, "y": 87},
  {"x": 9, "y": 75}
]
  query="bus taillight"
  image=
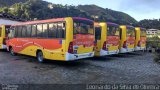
[
  {"x": 70, "y": 48},
  {"x": 104, "y": 45},
  {"x": 95, "y": 43},
  {"x": 139, "y": 43},
  {"x": 125, "y": 44}
]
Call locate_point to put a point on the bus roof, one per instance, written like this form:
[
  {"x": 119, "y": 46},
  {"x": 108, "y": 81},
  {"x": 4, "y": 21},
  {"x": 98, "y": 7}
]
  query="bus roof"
[
  {"x": 50, "y": 21},
  {"x": 79, "y": 18},
  {"x": 129, "y": 26},
  {"x": 114, "y": 24},
  {"x": 40, "y": 21},
  {"x": 143, "y": 28},
  {"x": 5, "y": 25}
]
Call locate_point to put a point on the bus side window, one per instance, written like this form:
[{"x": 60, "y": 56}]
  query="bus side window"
[
  {"x": 45, "y": 30},
  {"x": 34, "y": 31},
  {"x": 7, "y": 30},
  {"x": 29, "y": 30},
  {"x": 52, "y": 30},
  {"x": 39, "y": 31},
  {"x": 12, "y": 32},
  {"x": 24, "y": 31},
  {"x": 19, "y": 31},
  {"x": 61, "y": 30}
]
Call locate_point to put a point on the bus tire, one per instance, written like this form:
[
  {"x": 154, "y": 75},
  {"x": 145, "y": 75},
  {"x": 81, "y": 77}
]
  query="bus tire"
[
  {"x": 40, "y": 56},
  {"x": 12, "y": 51}
]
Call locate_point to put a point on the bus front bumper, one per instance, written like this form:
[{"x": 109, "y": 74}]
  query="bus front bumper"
[
  {"x": 125, "y": 50},
  {"x": 3, "y": 46},
  {"x": 139, "y": 48},
  {"x": 72, "y": 57},
  {"x": 104, "y": 52}
]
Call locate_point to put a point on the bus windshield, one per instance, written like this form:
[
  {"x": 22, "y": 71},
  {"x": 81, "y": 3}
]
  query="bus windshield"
[
  {"x": 83, "y": 28},
  {"x": 131, "y": 32},
  {"x": 143, "y": 33},
  {"x": 113, "y": 31}
]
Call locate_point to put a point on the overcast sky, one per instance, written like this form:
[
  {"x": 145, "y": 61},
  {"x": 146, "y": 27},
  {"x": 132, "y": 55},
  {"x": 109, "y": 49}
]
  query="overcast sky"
[{"x": 139, "y": 9}]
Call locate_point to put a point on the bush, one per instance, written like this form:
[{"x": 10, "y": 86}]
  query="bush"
[
  {"x": 154, "y": 42},
  {"x": 157, "y": 57}
]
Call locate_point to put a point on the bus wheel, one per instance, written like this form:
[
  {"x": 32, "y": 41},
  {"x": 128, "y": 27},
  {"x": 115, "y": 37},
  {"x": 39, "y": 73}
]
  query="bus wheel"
[
  {"x": 12, "y": 51},
  {"x": 40, "y": 57}
]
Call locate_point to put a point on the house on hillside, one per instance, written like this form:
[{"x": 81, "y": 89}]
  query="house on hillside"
[
  {"x": 153, "y": 32},
  {"x": 9, "y": 19}
]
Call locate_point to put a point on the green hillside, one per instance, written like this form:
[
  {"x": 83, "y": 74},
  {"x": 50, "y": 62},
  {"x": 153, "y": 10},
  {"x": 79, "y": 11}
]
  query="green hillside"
[
  {"x": 4, "y": 3},
  {"x": 39, "y": 9},
  {"x": 107, "y": 14}
]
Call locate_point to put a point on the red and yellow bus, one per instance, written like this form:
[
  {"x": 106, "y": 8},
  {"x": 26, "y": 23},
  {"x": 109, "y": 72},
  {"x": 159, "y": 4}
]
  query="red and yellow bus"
[
  {"x": 4, "y": 31},
  {"x": 107, "y": 39},
  {"x": 140, "y": 43},
  {"x": 127, "y": 38},
  {"x": 62, "y": 39}
]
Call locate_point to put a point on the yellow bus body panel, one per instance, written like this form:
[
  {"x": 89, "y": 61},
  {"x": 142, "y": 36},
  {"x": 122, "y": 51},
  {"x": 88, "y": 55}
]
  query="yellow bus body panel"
[
  {"x": 2, "y": 35},
  {"x": 138, "y": 37},
  {"x": 137, "y": 29},
  {"x": 103, "y": 38},
  {"x": 123, "y": 36}
]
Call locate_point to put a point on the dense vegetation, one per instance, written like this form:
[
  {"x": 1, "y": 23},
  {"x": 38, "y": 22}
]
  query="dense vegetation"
[
  {"x": 148, "y": 23},
  {"x": 10, "y": 2},
  {"x": 105, "y": 14},
  {"x": 39, "y": 9},
  {"x": 43, "y": 10}
]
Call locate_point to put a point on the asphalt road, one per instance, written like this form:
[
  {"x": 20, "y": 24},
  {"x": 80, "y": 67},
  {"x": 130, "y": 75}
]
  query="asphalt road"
[{"x": 132, "y": 68}]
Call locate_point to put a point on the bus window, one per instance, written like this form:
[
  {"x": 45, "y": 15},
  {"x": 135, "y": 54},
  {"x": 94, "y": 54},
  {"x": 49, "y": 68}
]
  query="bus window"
[
  {"x": 52, "y": 30},
  {"x": 34, "y": 31},
  {"x": 39, "y": 30},
  {"x": 24, "y": 31},
  {"x": 0, "y": 31},
  {"x": 12, "y": 32},
  {"x": 29, "y": 28},
  {"x": 45, "y": 30},
  {"x": 7, "y": 30},
  {"x": 98, "y": 33},
  {"x": 61, "y": 30},
  {"x": 113, "y": 31},
  {"x": 19, "y": 31}
]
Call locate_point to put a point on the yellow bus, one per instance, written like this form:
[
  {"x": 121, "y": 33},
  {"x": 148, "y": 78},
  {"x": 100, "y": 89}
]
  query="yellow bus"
[
  {"x": 140, "y": 43},
  {"x": 64, "y": 39},
  {"x": 4, "y": 31},
  {"x": 127, "y": 38},
  {"x": 107, "y": 39}
]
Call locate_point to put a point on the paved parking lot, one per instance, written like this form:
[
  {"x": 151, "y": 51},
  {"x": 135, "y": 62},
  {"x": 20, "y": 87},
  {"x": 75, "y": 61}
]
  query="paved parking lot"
[{"x": 133, "y": 68}]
